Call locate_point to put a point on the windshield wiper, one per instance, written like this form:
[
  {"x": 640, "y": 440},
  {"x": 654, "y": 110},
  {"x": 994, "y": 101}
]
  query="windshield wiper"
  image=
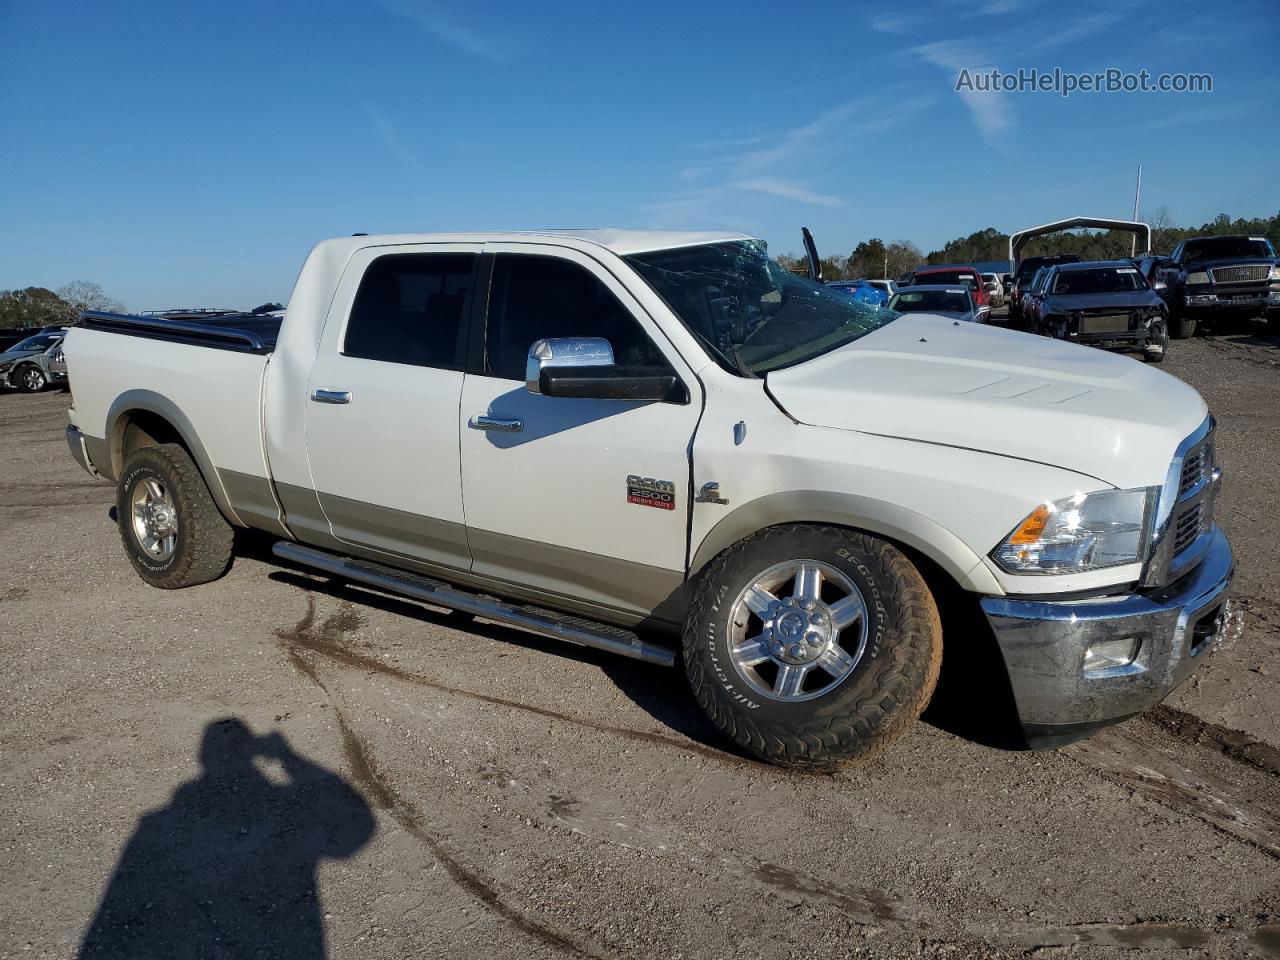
[{"x": 738, "y": 362}]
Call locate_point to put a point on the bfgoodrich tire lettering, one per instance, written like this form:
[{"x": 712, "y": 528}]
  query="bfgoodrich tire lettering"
[
  {"x": 888, "y": 687},
  {"x": 203, "y": 543}
]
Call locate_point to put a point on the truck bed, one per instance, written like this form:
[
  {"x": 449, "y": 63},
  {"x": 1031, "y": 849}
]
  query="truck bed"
[{"x": 206, "y": 379}]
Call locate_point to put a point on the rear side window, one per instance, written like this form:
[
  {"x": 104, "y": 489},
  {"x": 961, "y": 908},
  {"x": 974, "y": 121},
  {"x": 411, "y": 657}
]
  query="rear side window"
[
  {"x": 532, "y": 297},
  {"x": 412, "y": 308}
]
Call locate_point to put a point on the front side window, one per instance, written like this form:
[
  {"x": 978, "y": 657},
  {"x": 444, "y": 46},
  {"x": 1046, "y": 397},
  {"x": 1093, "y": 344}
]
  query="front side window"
[
  {"x": 412, "y": 308},
  {"x": 532, "y": 297},
  {"x": 750, "y": 314}
]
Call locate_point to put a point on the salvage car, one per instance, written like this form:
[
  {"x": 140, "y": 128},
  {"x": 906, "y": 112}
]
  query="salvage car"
[
  {"x": 953, "y": 275},
  {"x": 1103, "y": 303},
  {"x": 26, "y": 365},
  {"x": 1220, "y": 278},
  {"x": 864, "y": 291},
  {"x": 955, "y": 303},
  {"x": 994, "y": 286},
  {"x": 640, "y": 441},
  {"x": 1022, "y": 277}
]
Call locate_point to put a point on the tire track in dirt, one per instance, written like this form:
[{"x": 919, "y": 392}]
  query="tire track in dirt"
[
  {"x": 1227, "y": 780},
  {"x": 383, "y": 795},
  {"x": 331, "y": 649},
  {"x": 1130, "y": 760}
]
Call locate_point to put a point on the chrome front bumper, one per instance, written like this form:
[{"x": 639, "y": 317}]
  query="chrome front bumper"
[{"x": 1044, "y": 645}]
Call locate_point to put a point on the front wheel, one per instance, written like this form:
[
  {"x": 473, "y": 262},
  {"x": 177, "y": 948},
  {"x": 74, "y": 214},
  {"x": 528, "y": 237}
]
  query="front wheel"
[
  {"x": 30, "y": 379},
  {"x": 1182, "y": 327},
  {"x": 1157, "y": 347},
  {"x": 171, "y": 528},
  {"x": 810, "y": 646}
]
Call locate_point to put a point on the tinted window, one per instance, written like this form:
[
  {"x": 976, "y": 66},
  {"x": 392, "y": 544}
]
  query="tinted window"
[
  {"x": 946, "y": 276},
  {"x": 41, "y": 341},
  {"x": 914, "y": 301},
  {"x": 532, "y": 297},
  {"x": 412, "y": 308},
  {"x": 1109, "y": 280},
  {"x": 1214, "y": 247}
]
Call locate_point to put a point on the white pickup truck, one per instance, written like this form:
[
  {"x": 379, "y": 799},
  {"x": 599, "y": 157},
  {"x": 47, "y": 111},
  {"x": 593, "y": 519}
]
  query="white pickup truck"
[{"x": 637, "y": 440}]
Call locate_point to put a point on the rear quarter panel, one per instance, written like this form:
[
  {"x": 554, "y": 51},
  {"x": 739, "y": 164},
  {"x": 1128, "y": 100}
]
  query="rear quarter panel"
[{"x": 217, "y": 392}]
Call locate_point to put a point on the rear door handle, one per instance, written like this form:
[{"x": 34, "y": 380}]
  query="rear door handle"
[
  {"x": 483, "y": 421},
  {"x": 325, "y": 395}
]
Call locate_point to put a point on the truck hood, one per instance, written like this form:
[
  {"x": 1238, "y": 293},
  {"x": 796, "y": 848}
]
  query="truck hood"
[{"x": 930, "y": 379}]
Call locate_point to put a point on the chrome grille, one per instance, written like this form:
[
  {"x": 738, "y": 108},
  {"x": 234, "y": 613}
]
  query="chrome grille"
[
  {"x": 1193, "y": 512},
  {"x": 1185, "y": 512},
  {"x": 1195, "y": 467},
  {"x": 1187, "y": 526},
  {"x": 1245, "y": 273}
]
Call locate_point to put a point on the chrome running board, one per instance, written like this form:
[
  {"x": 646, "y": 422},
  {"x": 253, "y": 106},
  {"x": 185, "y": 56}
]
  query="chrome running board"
[{"x": 586, "y": 633}]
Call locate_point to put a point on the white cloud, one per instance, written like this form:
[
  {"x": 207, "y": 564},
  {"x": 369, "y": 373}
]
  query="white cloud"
[
  {"x": 786, "y": 190},
  {"x": 442, "y": 25},
  {"x": 893, "y": 22},
  {"x": 780, "y": 165},
  {"x": 391, "y": 139},
  {"x": 989, "y": 109}
]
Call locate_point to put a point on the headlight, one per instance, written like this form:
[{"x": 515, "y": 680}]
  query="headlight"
[
  {"x": 1088, "y": 531},
  {"x": 1199, "y": 276},
  {"x": 1275, "y": 273}
]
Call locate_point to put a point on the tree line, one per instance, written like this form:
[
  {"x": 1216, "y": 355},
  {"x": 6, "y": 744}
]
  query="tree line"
[
  {"x": 39, "y": 306},
  {"x": 874, "y": 258}
]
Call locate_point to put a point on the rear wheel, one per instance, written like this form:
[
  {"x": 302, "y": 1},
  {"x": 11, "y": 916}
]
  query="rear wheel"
[
  {"x": 171, "y": 528},
  {"x": 29, "y": 378},
  {"x": 810, "y": 646}
]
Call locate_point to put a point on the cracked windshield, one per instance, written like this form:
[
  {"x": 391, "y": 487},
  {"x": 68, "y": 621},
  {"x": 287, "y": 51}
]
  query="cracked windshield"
[{"x": 751, "y": 314}]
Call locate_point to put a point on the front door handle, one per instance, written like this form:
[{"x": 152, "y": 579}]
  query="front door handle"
[
  {"x": 483, "y": 421},
  {"x": 325, "y": 395}
]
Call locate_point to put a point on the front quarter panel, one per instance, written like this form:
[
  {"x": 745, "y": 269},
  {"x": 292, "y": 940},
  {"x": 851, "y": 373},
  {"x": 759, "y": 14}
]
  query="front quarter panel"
[{"x": 953, "y": 505}]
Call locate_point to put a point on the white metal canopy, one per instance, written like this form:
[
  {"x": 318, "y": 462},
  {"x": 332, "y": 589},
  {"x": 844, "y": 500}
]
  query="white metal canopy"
[{"x": 1020, "y": 239}]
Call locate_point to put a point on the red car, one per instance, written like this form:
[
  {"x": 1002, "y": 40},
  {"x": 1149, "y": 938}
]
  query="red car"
[{"x": 950, "y": 276}]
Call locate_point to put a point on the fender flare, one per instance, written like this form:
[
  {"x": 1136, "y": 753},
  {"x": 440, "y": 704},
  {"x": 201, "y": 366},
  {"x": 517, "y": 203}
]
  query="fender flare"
[
  {"x": 878, "y": 517},
  {"x": 133, "y": 401}
]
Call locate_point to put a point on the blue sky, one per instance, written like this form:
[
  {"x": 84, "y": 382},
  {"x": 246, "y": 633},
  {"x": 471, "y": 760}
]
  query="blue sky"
[{"x": 191, "y": 153}]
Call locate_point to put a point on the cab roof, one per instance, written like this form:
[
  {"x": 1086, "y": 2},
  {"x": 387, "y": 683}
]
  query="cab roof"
[{"x": 622, "y": 242}]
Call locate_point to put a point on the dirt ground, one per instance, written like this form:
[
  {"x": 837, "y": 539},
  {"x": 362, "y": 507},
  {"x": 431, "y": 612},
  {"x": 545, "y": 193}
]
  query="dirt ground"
[{"x": 276, "y": 766}]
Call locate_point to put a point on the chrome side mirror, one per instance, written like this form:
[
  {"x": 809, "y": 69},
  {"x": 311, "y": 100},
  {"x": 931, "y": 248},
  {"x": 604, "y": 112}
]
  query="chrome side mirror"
[{"x": 565, "y": 352}]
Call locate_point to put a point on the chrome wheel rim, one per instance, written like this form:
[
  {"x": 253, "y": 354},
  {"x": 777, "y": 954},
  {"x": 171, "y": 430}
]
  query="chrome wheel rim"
[
  {"x": 32, "y": 378},
  {"x": 797, "y": 631},
  {"x": 154, "y": 519}
]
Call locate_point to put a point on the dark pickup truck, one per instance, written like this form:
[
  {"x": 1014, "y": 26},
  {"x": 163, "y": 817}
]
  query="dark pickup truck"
[{"x": 1233, "y": 277}]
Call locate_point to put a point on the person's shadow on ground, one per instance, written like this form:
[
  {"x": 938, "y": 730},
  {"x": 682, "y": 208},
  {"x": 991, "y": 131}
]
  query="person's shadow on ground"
[{"x": 228, "y": 868}]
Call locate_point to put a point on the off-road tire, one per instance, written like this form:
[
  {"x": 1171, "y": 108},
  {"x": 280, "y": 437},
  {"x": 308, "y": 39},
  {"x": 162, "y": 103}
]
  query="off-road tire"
[
  {"x": 887, "y": 690},
  {"x": 1182, "y": 327},
  {"x": 18, "y": 377},
  {"x": 205, "y": 539}
]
